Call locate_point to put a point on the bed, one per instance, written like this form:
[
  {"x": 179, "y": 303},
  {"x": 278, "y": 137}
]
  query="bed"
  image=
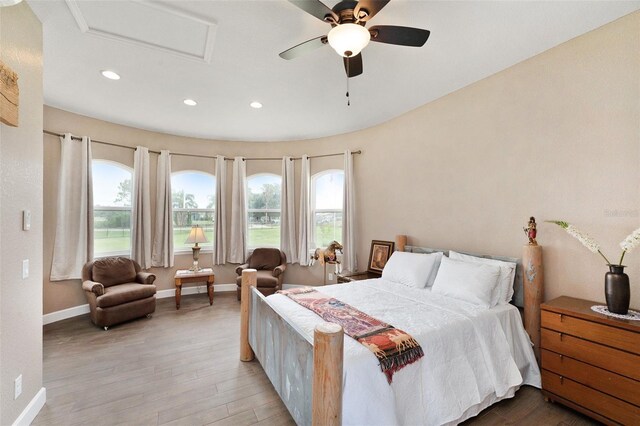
[{"x": 474, "y": 356}]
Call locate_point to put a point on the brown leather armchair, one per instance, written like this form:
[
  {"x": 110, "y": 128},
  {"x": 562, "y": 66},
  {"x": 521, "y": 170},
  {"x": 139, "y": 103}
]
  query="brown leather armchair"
[
  {"x": 117, "y": 290},
  {"x": 270, "y": 264}
]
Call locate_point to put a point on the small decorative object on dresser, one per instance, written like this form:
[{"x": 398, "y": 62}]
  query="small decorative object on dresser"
[
  {"x": 590, "y": 361},
  {"x": 616, "y": 282}
]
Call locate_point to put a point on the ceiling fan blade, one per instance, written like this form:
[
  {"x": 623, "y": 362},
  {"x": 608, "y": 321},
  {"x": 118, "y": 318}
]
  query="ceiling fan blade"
[
  {"x": 304, "y": 47},
  {"x": 353, "y": 65},
  {"x": 371, "y": 7},
  {"x": 316, "y": 8},
  {"x": 404, "y": 36}
]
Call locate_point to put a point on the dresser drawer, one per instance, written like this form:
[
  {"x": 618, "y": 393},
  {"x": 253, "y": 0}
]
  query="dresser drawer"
[
  {"x": 594, "y": 377},
  {"x": 605, "y": 405},
  {"x": 600, "y": 333},
  {"x": 611, "y": 359}
]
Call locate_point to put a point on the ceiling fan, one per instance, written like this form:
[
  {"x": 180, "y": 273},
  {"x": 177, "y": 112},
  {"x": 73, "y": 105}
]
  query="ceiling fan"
[{"x": 348, "y": 35}]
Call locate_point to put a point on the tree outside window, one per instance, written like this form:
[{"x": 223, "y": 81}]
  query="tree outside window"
[
  {"x": 327, "y": 188},
  {"x": 111, "y": 208},
  {"x": 263, "y": 210},
  {"x": 193, "y": 200}
]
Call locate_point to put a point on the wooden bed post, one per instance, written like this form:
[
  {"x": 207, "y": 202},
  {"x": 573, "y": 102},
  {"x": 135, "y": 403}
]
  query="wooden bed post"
[
  {"x": 326, "y": 405},
  {"x": 533, "y": 278},
  {"x": 401, "y": 242},
  {"x": 249, "y": 278}
]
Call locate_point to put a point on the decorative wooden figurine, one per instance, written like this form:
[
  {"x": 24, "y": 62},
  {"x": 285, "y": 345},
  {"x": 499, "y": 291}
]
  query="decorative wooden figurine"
[
  {"x": 328, "y": 255},
  {"x": 531, "y": 232}
]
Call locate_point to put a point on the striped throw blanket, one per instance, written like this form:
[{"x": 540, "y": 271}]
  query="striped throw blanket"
[{"x": 393, "y": 347}]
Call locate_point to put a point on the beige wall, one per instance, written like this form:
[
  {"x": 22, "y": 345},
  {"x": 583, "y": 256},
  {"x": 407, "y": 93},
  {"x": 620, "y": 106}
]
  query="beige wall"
[
  {"x": 556, "y": 136},
  {"x": 21, "y": 188}
]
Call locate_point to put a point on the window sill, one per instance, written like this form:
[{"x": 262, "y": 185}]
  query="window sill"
[
  {"x": 189, "y": 251},
  {"x": 112, "y": 254}
]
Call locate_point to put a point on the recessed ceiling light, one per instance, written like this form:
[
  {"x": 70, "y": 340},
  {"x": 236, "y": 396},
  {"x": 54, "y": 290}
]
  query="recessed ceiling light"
[
  {"x": 190, "y": 102},
  {"x": 111, "y": 75},
  {"x": 255, "y": 104}
]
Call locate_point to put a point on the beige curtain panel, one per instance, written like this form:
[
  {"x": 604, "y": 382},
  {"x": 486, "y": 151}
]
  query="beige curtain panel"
[
  {"x": 288, "y": 211},
  {"x": 220, "y": 239},
  {"x": 349, "y": 239},
  {"x": 162, "y": 251},
  {"x": 141, "y": 209},
  {"x": 73, "y": 246},
  {"x": 304, "y": 222},
  {"x": 238, "y": 243}
]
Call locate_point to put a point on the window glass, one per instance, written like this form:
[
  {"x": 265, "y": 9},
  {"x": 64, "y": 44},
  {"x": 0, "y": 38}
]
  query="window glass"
[
  {"x": 193, "y": 196},
  {"x": 326, "y": 195},
  {"x": 263, "y": 202},
  {"x": 112, "y": 187}
]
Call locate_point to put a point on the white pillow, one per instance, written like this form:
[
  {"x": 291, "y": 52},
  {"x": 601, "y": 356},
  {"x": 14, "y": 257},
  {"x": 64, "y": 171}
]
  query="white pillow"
[
  {"x": 410, "y": 269},
  {"x": 468, "y": 281},
  {"x": 504, "y": 290},
  {"x": 434, "y": 271}
]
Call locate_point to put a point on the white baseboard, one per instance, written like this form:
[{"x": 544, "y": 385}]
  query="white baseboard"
[
  {"x": 32, "y": 409},
  {"x": 161, "y": 294},
  {"x": 65, "y": 313}
]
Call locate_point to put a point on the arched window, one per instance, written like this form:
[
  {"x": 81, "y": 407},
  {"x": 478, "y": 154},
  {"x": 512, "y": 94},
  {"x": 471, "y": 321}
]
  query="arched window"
[
  {"x": 326, "y": 206},
  {"x": 112, "y": 188},
  {"x": 263, "y": 210},
  {"x": 193, "y": 197}
]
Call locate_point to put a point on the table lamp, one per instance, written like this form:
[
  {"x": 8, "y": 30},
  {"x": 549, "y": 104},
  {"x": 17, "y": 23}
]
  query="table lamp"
[{"x": 196, "y": 236}]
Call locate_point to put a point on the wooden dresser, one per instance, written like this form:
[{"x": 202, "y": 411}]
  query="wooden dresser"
[{"x": 591, "y": 362}]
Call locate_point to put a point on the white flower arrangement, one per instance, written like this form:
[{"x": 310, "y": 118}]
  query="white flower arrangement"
[{"x": 632, "y": 241}]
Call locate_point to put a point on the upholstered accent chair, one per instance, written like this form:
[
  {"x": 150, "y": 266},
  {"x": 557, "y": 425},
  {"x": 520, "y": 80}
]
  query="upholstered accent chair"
[
  {"x": 270, "y": 264},
  {"x": 117, "y": 290}
]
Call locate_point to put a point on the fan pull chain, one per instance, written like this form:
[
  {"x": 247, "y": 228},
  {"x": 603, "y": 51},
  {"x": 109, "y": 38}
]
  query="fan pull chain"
[{"x": 348, "y": 100}]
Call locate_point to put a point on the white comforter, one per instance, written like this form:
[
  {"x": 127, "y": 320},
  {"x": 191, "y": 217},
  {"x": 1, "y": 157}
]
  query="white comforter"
[{"x": 468, "y": 362}]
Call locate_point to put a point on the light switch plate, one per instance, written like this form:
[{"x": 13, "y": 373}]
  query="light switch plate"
[
  {"x": 26, "y": 220},
  {"x": 25, "y": 269}
]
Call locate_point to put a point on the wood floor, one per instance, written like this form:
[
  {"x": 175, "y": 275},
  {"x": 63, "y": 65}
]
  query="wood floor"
[{"x": 182, "y": 368}]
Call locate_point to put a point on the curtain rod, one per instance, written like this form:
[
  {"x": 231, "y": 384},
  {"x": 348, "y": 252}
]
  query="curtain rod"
[{"x": 47, "y": 132}]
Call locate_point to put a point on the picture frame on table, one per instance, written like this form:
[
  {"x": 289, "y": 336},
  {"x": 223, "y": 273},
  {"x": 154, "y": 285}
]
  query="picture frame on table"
[{"x": 379, "y": 254}]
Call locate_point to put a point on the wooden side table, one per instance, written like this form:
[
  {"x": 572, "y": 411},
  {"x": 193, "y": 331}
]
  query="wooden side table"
[
  {"x": 187, "y": 277},
  {"x": 347, "y": 277}
]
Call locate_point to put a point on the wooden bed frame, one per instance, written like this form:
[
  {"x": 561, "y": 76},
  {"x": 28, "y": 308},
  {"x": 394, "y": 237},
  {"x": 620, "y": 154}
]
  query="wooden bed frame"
[{"x": 308, "y": 375}]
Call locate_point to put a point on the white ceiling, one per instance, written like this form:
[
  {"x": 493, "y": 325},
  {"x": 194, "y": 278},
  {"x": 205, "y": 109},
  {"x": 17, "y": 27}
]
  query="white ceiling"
[{"x": 224, "y": 54}]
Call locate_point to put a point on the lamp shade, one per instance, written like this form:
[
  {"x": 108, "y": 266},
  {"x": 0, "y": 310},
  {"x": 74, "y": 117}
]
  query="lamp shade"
[
  {"x": 196, "y": 236},
  {"x": 348, "y": 39}
]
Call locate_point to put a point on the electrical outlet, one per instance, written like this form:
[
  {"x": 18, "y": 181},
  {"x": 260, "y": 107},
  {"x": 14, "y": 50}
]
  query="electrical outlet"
[
  {"x": 25, "y": 269},
  {"x": 17, "y": 387},
  {"x": 330, "y": 276}
]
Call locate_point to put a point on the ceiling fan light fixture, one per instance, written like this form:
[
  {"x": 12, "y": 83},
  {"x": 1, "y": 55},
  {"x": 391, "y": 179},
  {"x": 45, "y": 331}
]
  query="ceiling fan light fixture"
[{"x": 348, "y": 39}]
